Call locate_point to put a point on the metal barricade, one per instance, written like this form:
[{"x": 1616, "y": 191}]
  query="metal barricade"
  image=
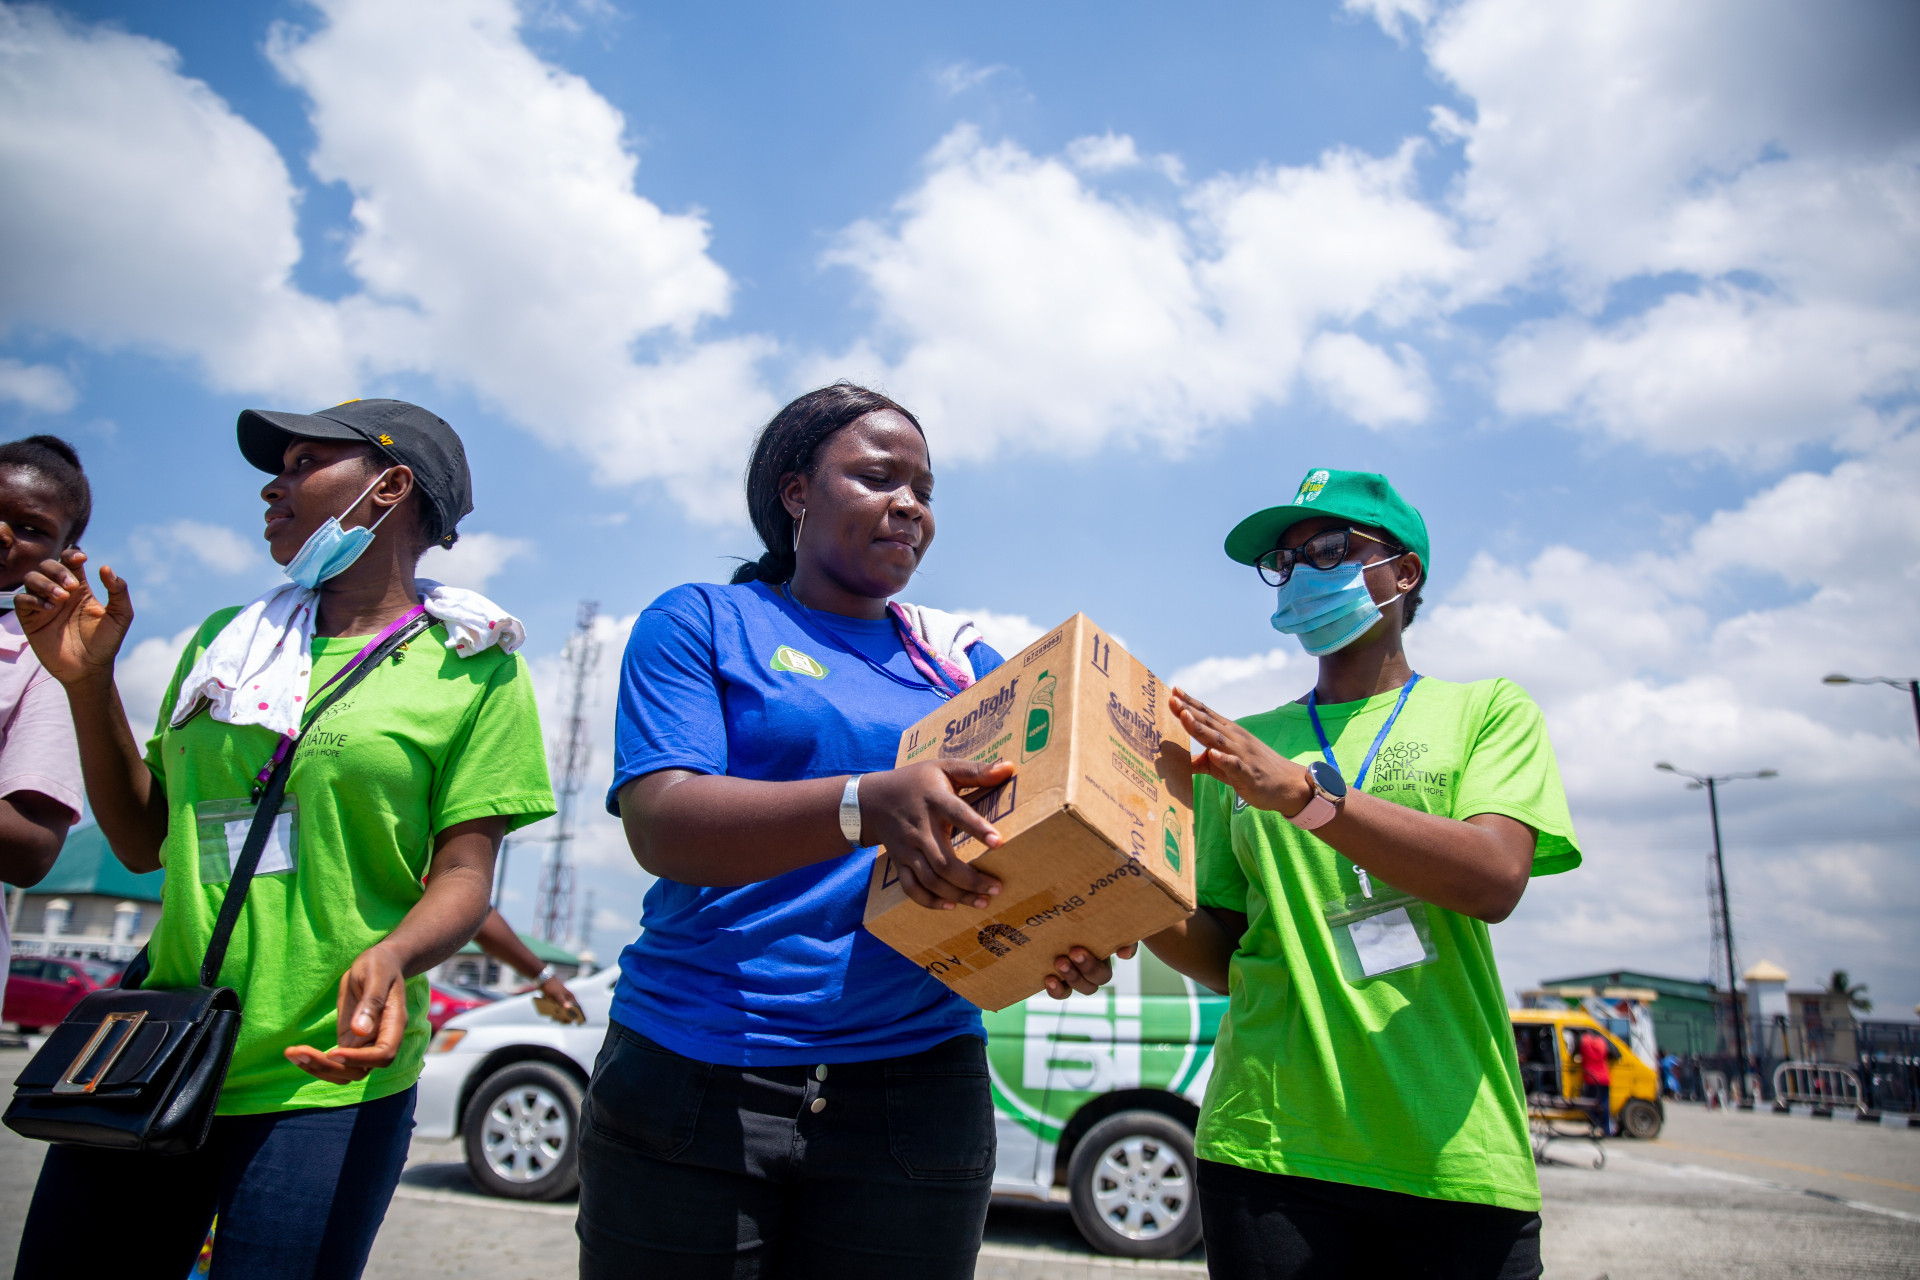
[{"x": 1821, "y": 1085}]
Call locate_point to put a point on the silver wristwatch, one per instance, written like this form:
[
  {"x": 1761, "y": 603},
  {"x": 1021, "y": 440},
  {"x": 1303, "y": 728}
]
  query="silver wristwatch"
[
  {"x": 541, "y": 978},
  {"x": 850, "y": 810}
]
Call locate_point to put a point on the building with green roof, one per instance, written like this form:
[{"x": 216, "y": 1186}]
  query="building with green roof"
[{"x": 89, "y": 904}]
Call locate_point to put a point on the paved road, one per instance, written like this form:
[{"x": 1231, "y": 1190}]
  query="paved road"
[{"x": 1720, "y": 1195}]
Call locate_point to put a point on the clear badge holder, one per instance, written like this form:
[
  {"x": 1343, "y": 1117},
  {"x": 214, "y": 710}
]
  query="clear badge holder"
[
  {"x": 220, "y": 829},
  {"x": 1379, "y": 933}
]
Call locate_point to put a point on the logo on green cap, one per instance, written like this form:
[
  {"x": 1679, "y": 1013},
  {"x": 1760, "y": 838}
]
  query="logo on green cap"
[
  {"x": 1311, "y": 487},
  {"x": 786, "y": 658}
]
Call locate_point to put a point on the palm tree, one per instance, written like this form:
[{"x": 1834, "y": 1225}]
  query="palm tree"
[{"x": 1855, "y": 992}]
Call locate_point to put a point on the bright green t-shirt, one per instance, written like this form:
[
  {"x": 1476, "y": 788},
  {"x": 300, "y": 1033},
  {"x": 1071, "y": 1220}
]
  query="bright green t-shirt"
[
  {"x": 1406, "y": 1081},
  {"x": 428, "y": 740}
]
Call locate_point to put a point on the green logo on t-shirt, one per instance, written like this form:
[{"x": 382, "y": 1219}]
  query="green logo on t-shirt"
[{"x": 787, "y": 658}]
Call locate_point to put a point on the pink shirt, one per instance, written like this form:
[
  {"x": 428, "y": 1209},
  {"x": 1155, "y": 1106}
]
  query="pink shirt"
[{"x": 37, "y": 747}]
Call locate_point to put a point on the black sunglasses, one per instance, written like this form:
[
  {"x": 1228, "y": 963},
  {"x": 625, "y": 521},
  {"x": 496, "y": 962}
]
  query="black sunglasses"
[{"x": 1323, "y": 551}]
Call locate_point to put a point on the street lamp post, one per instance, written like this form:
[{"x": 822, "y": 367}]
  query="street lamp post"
[
  {"x": 1911, "y": 686},
  {"x": 1710, "y": 783}
]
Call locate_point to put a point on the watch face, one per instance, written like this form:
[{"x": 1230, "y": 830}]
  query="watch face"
[{"x": 1327, "y": 778}]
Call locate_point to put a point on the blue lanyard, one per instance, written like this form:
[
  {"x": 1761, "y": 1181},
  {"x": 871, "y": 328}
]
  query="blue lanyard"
[{"x": 1326, "y": 748}]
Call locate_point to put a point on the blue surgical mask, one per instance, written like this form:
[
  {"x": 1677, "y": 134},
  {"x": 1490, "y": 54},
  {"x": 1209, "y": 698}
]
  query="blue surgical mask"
[
  {"x": 329, "y": 550},
  {"x": 1328, "y": 609}
]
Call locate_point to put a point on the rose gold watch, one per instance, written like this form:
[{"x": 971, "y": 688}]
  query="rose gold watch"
[{"x": 1329, "y": 789}]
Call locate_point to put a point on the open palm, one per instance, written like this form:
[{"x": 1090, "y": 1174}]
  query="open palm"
[{"x": 74, "y": 633}]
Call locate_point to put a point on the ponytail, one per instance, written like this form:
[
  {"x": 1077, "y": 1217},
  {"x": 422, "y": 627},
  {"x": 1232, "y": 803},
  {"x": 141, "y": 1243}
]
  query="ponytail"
[{"x": 788, "y": 444}]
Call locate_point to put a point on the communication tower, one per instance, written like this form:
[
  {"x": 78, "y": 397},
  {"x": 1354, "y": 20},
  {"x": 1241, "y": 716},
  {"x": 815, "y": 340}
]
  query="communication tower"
[{"x": 574, "y": 750}]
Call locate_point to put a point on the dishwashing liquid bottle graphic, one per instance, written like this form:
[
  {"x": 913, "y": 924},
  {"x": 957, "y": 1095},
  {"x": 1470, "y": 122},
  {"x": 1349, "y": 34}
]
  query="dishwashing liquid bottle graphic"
[
  {"x": 1170, "y": 837},
  {"x": 1039, "y": 716}
]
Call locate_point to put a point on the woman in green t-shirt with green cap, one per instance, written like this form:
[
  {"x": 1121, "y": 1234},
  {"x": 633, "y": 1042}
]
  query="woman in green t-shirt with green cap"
[{"x": 1365, "y": 1112}]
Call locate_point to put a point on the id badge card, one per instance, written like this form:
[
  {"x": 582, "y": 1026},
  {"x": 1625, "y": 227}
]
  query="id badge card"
[
  {"x": 1379, "y": 935},
  {"x": 221, "y": 827}
]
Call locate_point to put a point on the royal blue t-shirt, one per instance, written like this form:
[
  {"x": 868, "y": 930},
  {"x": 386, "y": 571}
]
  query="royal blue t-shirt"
[{"x": 742, "y": 681}]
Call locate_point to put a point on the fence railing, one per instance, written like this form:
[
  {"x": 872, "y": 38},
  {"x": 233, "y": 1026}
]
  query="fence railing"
[{"x": 1818, "y": 1084}]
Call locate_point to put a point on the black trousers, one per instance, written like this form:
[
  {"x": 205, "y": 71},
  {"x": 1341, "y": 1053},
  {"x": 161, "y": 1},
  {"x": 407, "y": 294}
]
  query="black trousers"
[
  {"x": 1268, "y": 1226},
  {"x": 300, "y": 1194},
  {"x": 851, "y": 1170}
]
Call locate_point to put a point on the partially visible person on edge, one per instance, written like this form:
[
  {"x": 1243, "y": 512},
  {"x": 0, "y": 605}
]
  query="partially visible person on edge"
[
  {"x": 497, "y": 938},
  {"x": 781, "y": 1093},
  {"x": 1366, "y": 1114},
  {"x": 45, "y": 504},
  {"x": 424, "y": 766},
  {"x": 1596, "y": 1081}
]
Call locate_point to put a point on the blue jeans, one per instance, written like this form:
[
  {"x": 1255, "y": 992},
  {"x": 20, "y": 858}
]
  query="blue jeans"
[
  {"x": 299, "y": 1193},
  {"x": 853, "y": 1170}
]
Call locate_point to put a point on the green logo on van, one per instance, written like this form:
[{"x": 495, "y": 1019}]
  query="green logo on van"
[
  {"x": 787, "y": 658},
  {"x": 1148, "y": 1029}
]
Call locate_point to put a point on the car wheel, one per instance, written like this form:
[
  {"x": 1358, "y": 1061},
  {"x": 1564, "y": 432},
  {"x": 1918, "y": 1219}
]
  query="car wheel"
[
  {"x": 1133, "y": 1186},
  {"x": 1640, "y": 1119},
  {"x": 522, "y": 1132}
]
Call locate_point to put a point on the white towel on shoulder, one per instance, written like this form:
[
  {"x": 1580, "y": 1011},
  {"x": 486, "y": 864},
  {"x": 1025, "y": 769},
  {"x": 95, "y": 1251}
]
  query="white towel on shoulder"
[
  {"x": 259, "y": 669},
  {"x": 948, "y": 635}
]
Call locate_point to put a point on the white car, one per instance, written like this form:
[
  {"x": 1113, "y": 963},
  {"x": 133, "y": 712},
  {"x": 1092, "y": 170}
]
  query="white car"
[{"x": 1095, "y": 1098}]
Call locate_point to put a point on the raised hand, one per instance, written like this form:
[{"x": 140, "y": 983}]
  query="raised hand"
[
  {"x": 915, "y": 810},
  {"x": 1257, "y": 773},
  {"x": 73, "y": 632}
]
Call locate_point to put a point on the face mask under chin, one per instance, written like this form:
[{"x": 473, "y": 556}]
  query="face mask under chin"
[{"x": 330, "y": 550}]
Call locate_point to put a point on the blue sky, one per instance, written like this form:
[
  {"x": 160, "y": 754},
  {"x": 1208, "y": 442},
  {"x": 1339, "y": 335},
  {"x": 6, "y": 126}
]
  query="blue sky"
[{"x": 1625, "y": 305}]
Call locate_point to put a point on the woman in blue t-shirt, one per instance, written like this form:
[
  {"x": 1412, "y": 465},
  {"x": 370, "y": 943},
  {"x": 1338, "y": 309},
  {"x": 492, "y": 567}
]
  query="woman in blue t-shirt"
[{"x": 781, "y": 1092}]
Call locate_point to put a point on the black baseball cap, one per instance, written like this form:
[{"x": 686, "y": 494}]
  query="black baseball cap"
[{"x": 413, "y": 437}]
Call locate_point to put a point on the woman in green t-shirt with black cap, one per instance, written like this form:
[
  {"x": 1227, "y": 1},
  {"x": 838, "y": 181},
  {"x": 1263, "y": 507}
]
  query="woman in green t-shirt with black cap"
[
  {"x": 420, "y": 767},
  {"x": 1365, "y": 1113}
]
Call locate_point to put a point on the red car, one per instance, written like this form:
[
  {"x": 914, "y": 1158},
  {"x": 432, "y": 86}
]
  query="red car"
[
  {"x": 444, "y": 1002},
  {"x": 41, "y": 989}
]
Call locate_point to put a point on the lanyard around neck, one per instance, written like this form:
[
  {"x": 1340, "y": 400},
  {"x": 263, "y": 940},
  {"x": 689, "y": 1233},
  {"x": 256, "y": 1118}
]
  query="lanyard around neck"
[
  {"x": 288, "y": 739},
  {"x": 1326, "y": 748}
]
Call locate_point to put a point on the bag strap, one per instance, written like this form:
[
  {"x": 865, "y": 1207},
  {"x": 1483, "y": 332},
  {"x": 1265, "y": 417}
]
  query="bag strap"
[{"x": 275, "y": 790}]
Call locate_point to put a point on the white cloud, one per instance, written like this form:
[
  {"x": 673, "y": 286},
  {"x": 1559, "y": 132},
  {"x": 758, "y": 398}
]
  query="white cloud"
[
  {"x": 161, "y": 549},
  {"x": 36, "y": 386},
  {"x": 1008, "y": 633},
  {"x": 1749, "y": 169},
  {"x": 497, "y": 236},
  {"x": 956, "y": 78},
  {"x": 143, "y": 674},
  {"x": 1103, "y": 153},
  {"x": 474, "y": 560},
  {"x": 142, "y": 212},
  {"x": 1394, "y": 16},
  {"x": 1020, "y": 307},
  {"x": 1243, "y": 686},
  {"x": 1750, "y": 375},
  {"x": 1367, "y": 384}
]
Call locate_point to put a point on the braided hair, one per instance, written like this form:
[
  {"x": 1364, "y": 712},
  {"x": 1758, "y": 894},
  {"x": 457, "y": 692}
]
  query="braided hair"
[
  {"x": 55, "y": 459},
  {"x": 790, "y": 443}
]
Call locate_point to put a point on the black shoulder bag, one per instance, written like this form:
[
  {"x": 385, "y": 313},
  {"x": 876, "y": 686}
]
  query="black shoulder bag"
[{"x": 133, "y": 1070}]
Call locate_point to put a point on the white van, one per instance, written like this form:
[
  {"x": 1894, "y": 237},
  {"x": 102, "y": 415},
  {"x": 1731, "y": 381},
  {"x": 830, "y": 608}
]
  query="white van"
[{"x": 1095, "y": 1097}]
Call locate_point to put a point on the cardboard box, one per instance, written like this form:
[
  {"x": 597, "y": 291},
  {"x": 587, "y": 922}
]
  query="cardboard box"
[{"x": 1098, "y": 822}]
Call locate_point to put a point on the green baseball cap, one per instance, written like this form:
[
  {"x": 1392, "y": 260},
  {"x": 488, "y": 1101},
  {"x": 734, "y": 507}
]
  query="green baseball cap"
[{"x": 1360, "y": 496}]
